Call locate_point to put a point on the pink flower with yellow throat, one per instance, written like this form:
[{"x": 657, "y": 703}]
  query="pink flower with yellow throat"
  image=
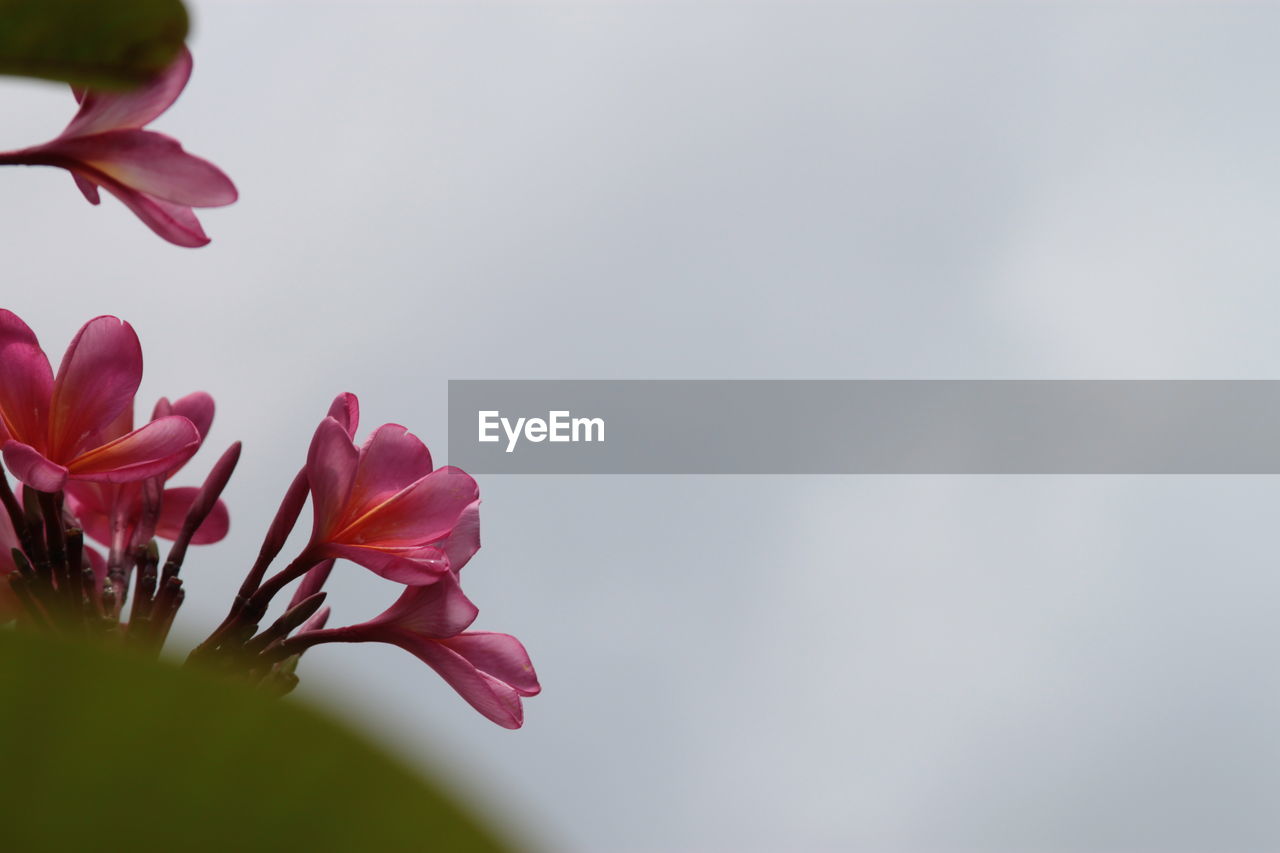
[{"x": 55, "y": 428}]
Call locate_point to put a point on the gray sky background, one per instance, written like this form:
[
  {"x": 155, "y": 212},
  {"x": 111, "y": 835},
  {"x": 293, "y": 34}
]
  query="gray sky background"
[{"x": 682, "y": 190}]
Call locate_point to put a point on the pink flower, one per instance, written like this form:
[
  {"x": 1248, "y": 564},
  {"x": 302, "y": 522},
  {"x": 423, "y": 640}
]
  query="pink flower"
[
  {"x": 57, "y": 429},
  {"x": 110, "y": 512},
  {"x": 491, "y": 671},
  {"x": 383, "y": 507},
  {"x": 105, "y": 146}
]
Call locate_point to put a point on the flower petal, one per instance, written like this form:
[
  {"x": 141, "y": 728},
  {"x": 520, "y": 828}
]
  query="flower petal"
[
  {"x": 96, "y": 381},
  {"x": 148, "y": 451},
  {"x": 28, "y": 382},
  {"x": 173, "y": 222},
  {"x": 101, "y": 111},
  {"x": 463, "y": 541},
  {"x": 197, "y": 407},
  {"x": 439, "y": 610},
  {"x": 31, "y": 467},
  {"x": 500, "y": 655},
  {"x": 331, "y": 469},
  {"x": 150, "y": 163},
  {"x": 345, "y": 409},
  {"x": 494, "y": 699},
  {"x": 316, "y": 622},
  {"x": 423, "y": 512},
  {"x": 412, "y": 567},
  {"x": 390, "y": 460},
  {"x": 89, "y": 502},
  {"x": 87, "y": 187},
  {"x": 173, "y": 512},
  {"x": 121, "y": 425}
]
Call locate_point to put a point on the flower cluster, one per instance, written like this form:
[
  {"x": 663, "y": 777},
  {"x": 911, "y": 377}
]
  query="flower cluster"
[
  {"x": 106, "y": 146},
  {"x": 85, "y": 474}
]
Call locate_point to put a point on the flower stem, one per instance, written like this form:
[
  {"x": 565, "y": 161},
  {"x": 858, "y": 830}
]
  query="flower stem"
[{"x": 255, "y": 607}]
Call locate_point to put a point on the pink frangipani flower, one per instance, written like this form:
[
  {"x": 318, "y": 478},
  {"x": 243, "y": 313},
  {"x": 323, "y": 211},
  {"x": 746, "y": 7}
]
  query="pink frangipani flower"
[
  {"x": 491, "y": 671},
  {"x": 110, "y": 512},
  {"x": 383, "y": 507},
  {"x": 57, "y": 429},
  {"x": 105, "y": 146},
  {"x": 81, "y": 468}
]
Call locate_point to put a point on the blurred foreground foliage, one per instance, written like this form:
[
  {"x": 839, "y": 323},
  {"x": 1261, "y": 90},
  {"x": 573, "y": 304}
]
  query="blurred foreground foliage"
[
  {"x": 103, "y": 750},
  {"x": 105, "y": 44}
]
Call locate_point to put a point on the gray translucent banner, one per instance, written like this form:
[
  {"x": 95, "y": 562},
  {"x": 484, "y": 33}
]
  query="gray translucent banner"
[{"x": 864, "y": 427}]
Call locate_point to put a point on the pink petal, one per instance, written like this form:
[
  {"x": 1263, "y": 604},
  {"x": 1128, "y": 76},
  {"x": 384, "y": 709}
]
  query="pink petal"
[
  {"x": 345, "y": 409},
  {"x": 87, "y": 187},
  {"x": 96, "y": 381},
  {"x": 197, "y": 407},
  {"x": 500, "y": 655},
  {"x": 423, "y": 512},
  {"x": 101, "y": 111},
  {"x": 331, "y": 469},
  {"x": 463, "y": 541},
  {"x": 149, "y": 163},
  {"x": 89, "y": 503},
  {"x": 151, "y": 450},
  {"x": 122, "y": 425},
  {"x": 316, "y": 622},
  {"x": 31, "y": 467},
  {"x": 173, "y": 512},
  {"x": 173, "y": 222},
  {"x": 497, "y": 701},
  {"x": 390, "y": 460},
  {"x": 415, "y": 567},
  {"x": 28, "y": 382},
  {"x": 439, "y": 610}
]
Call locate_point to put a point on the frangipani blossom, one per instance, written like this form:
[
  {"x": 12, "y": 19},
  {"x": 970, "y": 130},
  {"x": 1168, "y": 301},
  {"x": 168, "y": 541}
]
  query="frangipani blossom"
[
  {"x": 56, "y": 429},
  {"x": 458, "y": 546},
  {"x": 82, "y": 468},
  {"x": 110, "y": 512},
  {"x": 105, "y": 146},
  {"x": 383, "y": 507},
  {"x": 491, "y": 671}
]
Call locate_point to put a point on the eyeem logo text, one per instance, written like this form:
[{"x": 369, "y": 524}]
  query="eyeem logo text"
[{"x": 558, "y": 426}]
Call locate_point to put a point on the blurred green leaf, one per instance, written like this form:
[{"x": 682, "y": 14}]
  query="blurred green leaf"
[
  {"x": 107, "y": 44},
  {"x": 101, "y": 750}
]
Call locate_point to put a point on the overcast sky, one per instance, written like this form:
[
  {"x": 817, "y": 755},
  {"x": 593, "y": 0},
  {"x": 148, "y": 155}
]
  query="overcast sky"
[{"x": 684, "y": 190}]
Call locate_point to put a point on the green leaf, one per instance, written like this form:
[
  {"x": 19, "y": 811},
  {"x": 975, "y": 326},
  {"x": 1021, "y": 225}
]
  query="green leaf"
[
  {"x": 103, "y": 750},
  {"x": 107, "y": 44}
]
